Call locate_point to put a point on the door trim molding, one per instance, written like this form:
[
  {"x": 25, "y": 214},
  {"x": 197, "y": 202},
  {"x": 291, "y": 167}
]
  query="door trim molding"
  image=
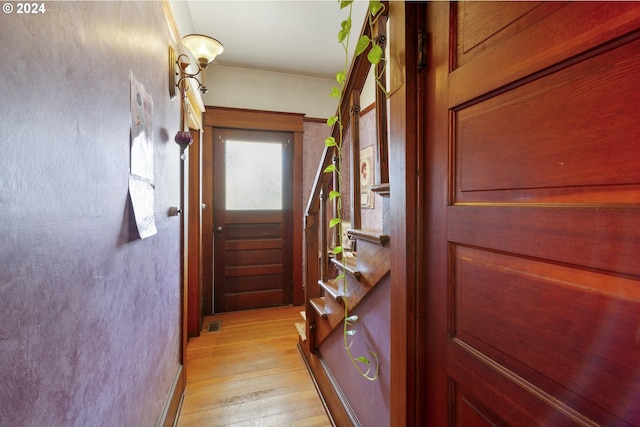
[{"x": 253, "y": 119}]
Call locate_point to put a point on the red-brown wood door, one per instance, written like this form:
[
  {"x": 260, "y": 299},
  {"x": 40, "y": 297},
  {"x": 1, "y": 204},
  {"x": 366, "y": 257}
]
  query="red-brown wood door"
[
  {"x": 252, "y": 219},
  {"x": 532, "y": 285}
]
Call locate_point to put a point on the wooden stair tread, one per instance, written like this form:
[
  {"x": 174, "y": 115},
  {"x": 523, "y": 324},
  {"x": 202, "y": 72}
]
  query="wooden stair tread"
[
  {"x": 383, "y": 189},
  {"x": 303, "y": 314},
  {"x": 348, "y": 264},
  {"x": 373, "y": 236},
  {"x": 301, "y": 327},
  {"x": 330, "y": 290},
  {"x": 318, "y": 306}
]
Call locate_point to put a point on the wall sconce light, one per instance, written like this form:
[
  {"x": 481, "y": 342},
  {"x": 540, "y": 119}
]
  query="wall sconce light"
[{"x": 204, "y": 49}]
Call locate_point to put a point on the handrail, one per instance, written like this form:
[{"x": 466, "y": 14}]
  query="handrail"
[{"x": 356, "y": 78}]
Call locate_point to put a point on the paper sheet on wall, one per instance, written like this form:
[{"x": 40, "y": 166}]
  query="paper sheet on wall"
[
  {"x": 142, "y": 200},
  {"x": 141, "y": 131},
  {"x": 141, "y": 189}
]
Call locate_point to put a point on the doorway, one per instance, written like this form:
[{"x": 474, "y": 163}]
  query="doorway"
[
  {"x": 240, "y": 119},
  {"x": 252, "y": 219}
]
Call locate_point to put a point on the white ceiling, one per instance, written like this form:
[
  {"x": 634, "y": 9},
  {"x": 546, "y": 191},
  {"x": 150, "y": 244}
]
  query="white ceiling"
[{"x": 292, "y": 36}]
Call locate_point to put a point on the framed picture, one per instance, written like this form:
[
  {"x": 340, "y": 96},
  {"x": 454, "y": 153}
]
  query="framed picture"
[{"x": 367, "y": 178}]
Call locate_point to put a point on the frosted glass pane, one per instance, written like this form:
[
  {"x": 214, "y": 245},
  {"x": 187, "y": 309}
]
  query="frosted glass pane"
[{"x": 254, "y": 175}]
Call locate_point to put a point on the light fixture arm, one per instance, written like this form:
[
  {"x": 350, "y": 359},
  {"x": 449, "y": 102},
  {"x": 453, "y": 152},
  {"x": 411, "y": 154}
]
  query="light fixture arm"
[{"x": 183, "y": 63}]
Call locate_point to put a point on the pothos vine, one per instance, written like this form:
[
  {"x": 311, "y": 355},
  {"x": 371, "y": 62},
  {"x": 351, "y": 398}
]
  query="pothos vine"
[{"x": 366, "y": 367}]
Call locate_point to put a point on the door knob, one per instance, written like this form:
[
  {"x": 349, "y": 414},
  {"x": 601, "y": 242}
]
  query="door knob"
[
  {"x": 205, "y": 206},
  {"x": 219, "y": 229}
]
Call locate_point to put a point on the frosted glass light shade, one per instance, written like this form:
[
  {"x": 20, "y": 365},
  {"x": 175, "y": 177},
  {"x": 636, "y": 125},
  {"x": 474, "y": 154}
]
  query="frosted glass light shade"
[{"x": 202, "y": 47}]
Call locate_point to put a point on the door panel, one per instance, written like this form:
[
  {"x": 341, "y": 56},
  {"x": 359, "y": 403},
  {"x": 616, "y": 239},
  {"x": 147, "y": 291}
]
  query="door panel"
[
  {"x": 252, "y": 263},
  {"x": 539, "y": 124},
  {"x": 529, "y": 127}
]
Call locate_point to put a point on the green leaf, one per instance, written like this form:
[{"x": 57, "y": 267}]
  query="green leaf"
[
  {"x": 351, "y": 332},
  {"x": 363, "y": 359},
  {"x": 345, "y": 3},
  {"x": 375, "y": 55},
  {"x": 342, "y": 34},
  {"x": 374, "y": 7},
  {"x": 352, "y": 318},
  {"x": 337, "y": 250},
  {"x": 341, "y": 77},
  {"x": 333, "y": 194},
  {"x": 333, "y": 223},
  {"x": 362, "y": 45},
  {"x": 330, "y": 168},
  {"x": 331, "y": 121},
  {"x": 345, "y": 30},
  {"x": 340, "y": 277},
  {"x": 330, "y": 142},
  {"x": 336, "y": 93}
]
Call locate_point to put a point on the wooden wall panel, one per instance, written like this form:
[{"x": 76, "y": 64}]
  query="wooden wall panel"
[
  {"x": 604, "y": 239},
  {"x": 502, "y": 309},
  {"x": 470, "y": 413},
  {"x": 507, "y": 399},
  {"x": 483, "y": 26},
  {"x": 544, "y": 134},
  {"x": 563, "y": 33}
]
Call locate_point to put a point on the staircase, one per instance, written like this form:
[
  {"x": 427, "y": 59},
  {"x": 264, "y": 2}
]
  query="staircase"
[
  {"x": 363, "y": 271},
  {"x": 366, "y": 266}
]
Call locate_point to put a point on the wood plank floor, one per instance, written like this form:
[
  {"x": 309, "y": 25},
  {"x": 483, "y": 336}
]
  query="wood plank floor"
[{"x": 250, "y": 373}]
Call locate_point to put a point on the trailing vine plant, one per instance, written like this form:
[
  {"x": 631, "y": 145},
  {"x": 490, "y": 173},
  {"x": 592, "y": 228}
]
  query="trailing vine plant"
[{"x": 367, "y": 367}]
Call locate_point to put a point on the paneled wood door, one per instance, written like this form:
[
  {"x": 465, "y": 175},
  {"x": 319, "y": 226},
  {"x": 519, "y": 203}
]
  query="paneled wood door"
[
  {"x": 252, "y": 219},
  {"x": 532, "y": 285}
]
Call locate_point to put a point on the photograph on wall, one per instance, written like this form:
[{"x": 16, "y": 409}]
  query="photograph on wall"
[{"x": 367, "y": 171}]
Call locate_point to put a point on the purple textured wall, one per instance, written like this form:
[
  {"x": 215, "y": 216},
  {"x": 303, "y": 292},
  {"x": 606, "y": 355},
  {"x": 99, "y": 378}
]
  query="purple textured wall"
[
  {"x": 89, "y": 313},
  {"x": 370, "y": 400}
]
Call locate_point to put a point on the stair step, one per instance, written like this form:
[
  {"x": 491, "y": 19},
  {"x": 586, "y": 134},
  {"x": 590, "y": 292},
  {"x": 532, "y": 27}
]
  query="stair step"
[
  {"x": 301, "y": 327},
  {"x": 303, "y": 314},
  {"x": 330, "y": 290},
  {"x": 382, "y": 189},
  {"x": 374, "y": 236},
  {"x": 318, "y": 306},
  {"x": 348, "y": 264}
]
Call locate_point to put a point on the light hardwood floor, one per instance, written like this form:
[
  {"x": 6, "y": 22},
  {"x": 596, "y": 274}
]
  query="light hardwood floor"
[{"x": 250, "y": 373}]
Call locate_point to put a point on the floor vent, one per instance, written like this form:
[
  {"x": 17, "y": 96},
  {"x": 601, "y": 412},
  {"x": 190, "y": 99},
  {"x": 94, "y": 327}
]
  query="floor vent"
[{"x": 214, "y": 326}]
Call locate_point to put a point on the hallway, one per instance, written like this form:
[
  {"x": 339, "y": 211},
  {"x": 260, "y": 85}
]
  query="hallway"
[{"x": 249, "y": 373}]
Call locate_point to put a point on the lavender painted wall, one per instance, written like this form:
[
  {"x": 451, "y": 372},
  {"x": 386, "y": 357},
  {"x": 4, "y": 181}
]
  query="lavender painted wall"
[
  {"x": 89, "y": 313},
  {"x": 370, "y": 400}
]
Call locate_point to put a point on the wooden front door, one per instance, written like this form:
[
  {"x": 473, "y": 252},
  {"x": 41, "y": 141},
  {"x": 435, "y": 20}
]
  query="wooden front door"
[
  {"x": 252, "y": 219},
  {"x": 532, "y": 243}
]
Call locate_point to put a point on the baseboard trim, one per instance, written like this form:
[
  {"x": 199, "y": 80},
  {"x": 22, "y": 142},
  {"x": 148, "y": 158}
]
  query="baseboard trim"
[
  {"x": 173, "y": 403},
  {"x": 335, "y": 402}
]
